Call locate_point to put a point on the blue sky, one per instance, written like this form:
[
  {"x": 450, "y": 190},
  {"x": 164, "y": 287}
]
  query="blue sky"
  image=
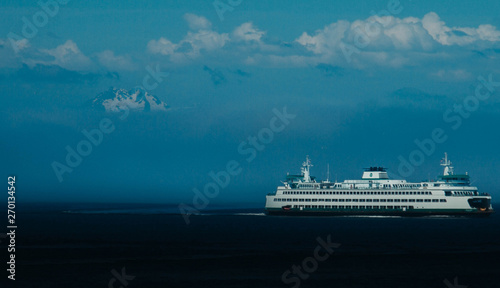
[{"x": 365, "y": 79}]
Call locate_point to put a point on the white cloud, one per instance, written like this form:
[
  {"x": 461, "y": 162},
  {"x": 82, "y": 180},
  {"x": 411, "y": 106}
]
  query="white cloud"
[
  {"x": 193, "y": 42},
  {"x": 458, "y": 35},
  {"x": 206, "y": 39},
  {"x": 197, "y": 22},
  {"x": 161, "y": 46},
  {"x": 374, "y": 41},
  {"x": 111, "y": 61},
  {"x": 325, "y": 41},
  {"x": 67, "y": 56},
  {"x": 391, "y": 41},
  {"x": 247, "y": 32}
]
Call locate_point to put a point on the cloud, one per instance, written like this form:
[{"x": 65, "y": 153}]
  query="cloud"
[
  {"x": 247, "y": 32},
  {"x": 202, "y": 38},
  {"x": 394, "y": 42},
  {"x": 111, "y": 61},
  {"x": 377, "y": 41},
  {"x": 161, "y": 46},
  {"x": 67, "y": 56},
  {"x": 197, "y": 22}
]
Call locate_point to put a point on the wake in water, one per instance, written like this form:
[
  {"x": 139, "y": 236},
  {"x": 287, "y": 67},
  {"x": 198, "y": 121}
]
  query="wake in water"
[{"x": 169, "y": 211}]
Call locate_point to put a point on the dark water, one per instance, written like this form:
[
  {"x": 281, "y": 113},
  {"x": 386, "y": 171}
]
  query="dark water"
[{"x": 77, "y": 245}]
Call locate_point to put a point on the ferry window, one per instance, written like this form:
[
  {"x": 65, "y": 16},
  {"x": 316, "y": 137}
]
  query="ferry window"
[
  {"x": 411, "y": 200},
  {"x": 314, "y": 206},
  {"x": 435, "y": 200},
  {"x": 404, "y": 200},
  {"x": 361, "y": 200},
  {"x": 341, "y": 200},
  {"x": 420, "y": 200},
  {"x": 390, "y": 207},
  {"x": 334, "y": 206},
  {"x": 321, "y": 200},
  {"x": 361, "y": 207},
  {"x": 368, "y": 200},
  {"x": 308, "y": 200},
  {"x": 397, "y": 207},
  {"x": 328, "y": 200},
  {"x": 328, "y": 206},
  {"x": 447, "y": 193},
  {"x": 348, "y": 206},
  {"x": 275, "y": 199},
  {"x": 397, "y": 200},
  {"x": 341, "y": 206},
  {"x": 427, "y": 200},
  {"x": 347, "y": 200},
  {"x": 375, "y": 207},
  {"x": 382, "y": 200},
  {"x": 375, "y": 200},
  {"x": 354, "y": 200},
  {"x": 390, "y": 200},
  {"x": 382, "y": 207},
  {"x": 334, "y": 200},
  {"x": 430, "y": 193},
  {"x": 308, "y": 206},
  {"x": 354, "y": 207},
  {"x": 442, "y": 200},
  {"x": 314, "y": 200}
]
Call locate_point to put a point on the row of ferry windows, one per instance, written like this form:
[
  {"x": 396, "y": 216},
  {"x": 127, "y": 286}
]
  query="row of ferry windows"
[
  {"x": 357, "y": 200},
  {"x": 461, "y": 193},
  {"x": 350, "y": 207},
  {"x": 357, "y": 193}
]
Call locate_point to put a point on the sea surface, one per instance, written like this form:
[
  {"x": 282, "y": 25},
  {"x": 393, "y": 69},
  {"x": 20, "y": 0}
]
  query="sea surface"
[{"x": 140, "y": 245}]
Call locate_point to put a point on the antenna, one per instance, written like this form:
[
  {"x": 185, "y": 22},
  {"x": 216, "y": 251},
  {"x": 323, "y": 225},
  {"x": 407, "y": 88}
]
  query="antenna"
[
  {"x": 448, "y": 169},
  {"x": 328, "y": 172}
]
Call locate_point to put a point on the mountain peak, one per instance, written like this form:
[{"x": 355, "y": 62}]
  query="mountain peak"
[{"x": 116, "y": 100}]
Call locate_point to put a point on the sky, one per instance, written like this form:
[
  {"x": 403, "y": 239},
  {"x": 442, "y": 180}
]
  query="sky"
[{"x": 252, "y": 88}]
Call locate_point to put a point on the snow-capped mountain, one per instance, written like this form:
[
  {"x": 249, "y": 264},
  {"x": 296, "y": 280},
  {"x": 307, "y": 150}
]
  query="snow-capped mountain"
[{"x": 116, "y": 100}]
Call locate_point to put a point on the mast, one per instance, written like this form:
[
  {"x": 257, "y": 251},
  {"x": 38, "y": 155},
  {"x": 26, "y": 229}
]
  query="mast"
[
  {"x": 305, "y": 170},
  {"x": 448, "y": 169},
  {"x": 328, "y": 172}
]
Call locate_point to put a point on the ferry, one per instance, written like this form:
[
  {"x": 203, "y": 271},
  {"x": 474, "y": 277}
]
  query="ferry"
[{"x": 376, "y": 194}]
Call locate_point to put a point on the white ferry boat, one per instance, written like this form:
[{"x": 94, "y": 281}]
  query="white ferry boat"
[{"x": 376, "y": 194}]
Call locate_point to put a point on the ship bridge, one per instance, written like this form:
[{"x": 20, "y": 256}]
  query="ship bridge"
[{"x": 375, "y": 173}]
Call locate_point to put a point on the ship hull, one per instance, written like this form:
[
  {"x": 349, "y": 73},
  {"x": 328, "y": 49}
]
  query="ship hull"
[{"x": 412, "y": 213}]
